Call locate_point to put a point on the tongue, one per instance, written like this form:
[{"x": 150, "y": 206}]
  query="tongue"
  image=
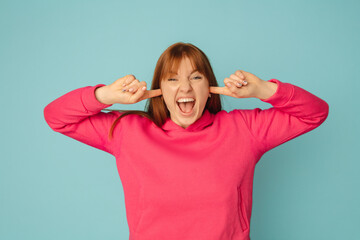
[{"x": 186, "y": 106}]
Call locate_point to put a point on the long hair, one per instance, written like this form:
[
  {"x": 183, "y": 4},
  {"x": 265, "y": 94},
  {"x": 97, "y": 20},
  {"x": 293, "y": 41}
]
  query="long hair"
[{"x": 155, "y": 108}]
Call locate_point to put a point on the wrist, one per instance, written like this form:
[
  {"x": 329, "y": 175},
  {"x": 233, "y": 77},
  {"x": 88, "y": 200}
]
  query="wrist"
[
  {"x": 266, "y": 90},
  {"x": 102, "y": 96}
]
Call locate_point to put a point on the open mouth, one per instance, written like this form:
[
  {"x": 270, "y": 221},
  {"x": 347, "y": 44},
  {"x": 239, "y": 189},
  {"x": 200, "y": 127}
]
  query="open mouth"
[{"x": 186, "y": 107}]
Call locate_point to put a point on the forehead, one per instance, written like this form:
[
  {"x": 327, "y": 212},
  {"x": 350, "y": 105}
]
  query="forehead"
[
  {"x": 193, "y": 71},
  {"x": 181, "y": 64}
]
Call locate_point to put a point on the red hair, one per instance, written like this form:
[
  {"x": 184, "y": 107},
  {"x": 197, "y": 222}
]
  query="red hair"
[{"x": 169, "y": 61}]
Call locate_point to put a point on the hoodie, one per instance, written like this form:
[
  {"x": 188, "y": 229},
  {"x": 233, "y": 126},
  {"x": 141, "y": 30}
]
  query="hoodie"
[{"x": 191, "y": 183}]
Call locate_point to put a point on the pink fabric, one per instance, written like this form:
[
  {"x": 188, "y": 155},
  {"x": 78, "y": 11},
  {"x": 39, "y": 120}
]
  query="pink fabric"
[{"x": 194, "y": 183}]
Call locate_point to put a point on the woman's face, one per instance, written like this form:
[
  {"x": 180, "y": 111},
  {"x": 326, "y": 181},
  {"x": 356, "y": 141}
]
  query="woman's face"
[{"x": 185, "y": 94}]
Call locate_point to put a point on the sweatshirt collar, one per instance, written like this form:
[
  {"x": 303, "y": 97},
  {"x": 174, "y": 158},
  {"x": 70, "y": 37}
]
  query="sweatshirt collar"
[{"x": 204, "y": 121}]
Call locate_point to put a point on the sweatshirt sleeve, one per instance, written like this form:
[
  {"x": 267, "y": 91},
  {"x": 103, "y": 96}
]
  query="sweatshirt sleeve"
[
  {"x": 77, "y": 114},
  {"x": 295, "y": 111}
]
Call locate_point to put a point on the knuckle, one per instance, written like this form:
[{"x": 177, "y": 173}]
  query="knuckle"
[
  {"x": 130, "y": 78},
  {"x": 132, "y": 83},
  {"x": 126, "y": 79},
  {"x": 133, "y": 89}
]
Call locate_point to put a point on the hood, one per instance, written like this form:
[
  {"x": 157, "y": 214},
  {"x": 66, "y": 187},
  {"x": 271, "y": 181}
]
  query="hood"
[{"x": 204, "y": 121}]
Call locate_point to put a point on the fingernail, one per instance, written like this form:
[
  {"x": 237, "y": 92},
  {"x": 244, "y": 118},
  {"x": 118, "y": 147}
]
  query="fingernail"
[
  {"x": 123, "y": 90},
  {"x": 131, "y": 89},
  {"x": 245, "y": 82},
  {"x": 124, "y": 85},
  {"x": 143, "y": 88},
  {"x": 228, "y": 84},
  {"x": 239, "y": 84}
]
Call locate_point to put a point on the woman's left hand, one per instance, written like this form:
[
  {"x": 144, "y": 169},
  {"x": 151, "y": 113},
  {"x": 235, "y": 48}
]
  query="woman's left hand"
[{"x": 241, "y": 84}]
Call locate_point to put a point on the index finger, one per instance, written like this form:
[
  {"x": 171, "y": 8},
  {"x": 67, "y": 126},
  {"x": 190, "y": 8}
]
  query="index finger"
[
  {"x": 220, "y": 90},
  {"x": 151, "y": 93}
]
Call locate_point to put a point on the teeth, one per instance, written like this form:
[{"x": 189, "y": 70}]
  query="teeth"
[{"x": 186, "y": 100}]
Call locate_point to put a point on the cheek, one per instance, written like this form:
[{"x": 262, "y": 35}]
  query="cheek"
[
  {"x": 168, "y": 90},
  {"x": 203, "y": 94},
  {"x": 168, "y": 95}
]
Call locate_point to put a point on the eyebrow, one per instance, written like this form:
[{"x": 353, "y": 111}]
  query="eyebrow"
[{"x": 195, "y": 70}]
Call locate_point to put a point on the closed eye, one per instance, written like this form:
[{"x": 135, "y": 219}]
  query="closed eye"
[{"x": 174, "y": 79}]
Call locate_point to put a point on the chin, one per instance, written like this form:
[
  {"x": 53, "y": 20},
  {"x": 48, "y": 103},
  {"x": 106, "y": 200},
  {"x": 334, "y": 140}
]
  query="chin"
[{"x": 186, "y": 120}]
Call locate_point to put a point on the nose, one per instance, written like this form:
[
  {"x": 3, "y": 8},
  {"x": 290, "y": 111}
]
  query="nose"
[{"x": 185, "y": 85}]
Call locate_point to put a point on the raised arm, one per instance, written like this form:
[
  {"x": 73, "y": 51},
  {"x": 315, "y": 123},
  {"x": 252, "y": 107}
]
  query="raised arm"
[
  {"x": 295, "y": 111},
  {"x": 77, "y": 114}
]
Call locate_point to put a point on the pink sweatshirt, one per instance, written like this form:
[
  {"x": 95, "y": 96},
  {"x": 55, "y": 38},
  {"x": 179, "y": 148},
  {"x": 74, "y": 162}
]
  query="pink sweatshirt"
[{"x": 194, "y": 183}]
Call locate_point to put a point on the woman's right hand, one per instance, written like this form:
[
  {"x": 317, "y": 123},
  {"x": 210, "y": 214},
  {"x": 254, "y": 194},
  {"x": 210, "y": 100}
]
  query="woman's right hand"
[{"x": 125, "y": 90}]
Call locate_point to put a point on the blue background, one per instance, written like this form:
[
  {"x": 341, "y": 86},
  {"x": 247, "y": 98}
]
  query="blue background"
[{"x": 53, "y": 187}]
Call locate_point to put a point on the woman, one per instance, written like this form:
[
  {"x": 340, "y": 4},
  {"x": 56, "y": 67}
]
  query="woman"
[{"x": 186, "y": 165}]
